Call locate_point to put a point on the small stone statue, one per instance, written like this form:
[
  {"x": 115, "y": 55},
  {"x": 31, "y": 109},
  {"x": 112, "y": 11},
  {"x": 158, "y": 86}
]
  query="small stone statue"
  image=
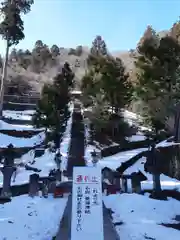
[{"x": 94, "y": 157}]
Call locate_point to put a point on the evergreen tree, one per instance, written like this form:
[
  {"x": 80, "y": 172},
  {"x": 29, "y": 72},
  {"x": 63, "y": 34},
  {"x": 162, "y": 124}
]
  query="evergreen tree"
[
  {"x": 158, "y": 77},
  {"x": 98, "y": 46},
  {"x": 98, "y": 50},
  {"x": 55, "y": 50},
  {"x": 41, "y": 54},
  {"x": 52, "y": 110},
  {"x": 11, "y": 29},
  {"x": 105, "y": 85}
]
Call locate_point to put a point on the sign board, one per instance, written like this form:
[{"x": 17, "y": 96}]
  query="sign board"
[{"x": 87, "y": 214}]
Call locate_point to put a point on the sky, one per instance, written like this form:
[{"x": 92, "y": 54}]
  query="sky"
[{"x": 121, "y": 23}]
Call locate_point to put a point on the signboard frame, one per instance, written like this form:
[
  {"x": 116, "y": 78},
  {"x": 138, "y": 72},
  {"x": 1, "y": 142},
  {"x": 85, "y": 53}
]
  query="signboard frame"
[{"x": 87, "y": 208}]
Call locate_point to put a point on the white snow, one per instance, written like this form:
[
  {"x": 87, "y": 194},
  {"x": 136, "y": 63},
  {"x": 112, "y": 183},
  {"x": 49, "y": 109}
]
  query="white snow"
[
  {"x": 64, "y": 146},
  {"x": 45, "y": 163},
  {"x": 115, "y": 160},
  {"x": 134, "y": 119},
  {"x": 7, "y": 126},
  {"x": 136, "y": 138},
  {"x": 5, "y": 140},
  {"x": 18, "y": 115},
  {"x": 26, "y": 218},
  {"x": 88, "y": 147},
  {"x": 166, "y": 182},
  {"x": 141, "y": 216},
  {"x": 21, "y": 115}
]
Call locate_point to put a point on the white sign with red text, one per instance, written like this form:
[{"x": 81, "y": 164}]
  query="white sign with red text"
[{"x": 87, "y": 213}]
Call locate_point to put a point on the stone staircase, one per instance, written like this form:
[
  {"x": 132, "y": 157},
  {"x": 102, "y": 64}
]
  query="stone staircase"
[{"x": 75, "y": 158}]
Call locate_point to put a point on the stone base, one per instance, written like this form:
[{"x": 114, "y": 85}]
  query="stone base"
[
  {"x": 158, "y": 195},
  {"x": 4, "y": 199}
]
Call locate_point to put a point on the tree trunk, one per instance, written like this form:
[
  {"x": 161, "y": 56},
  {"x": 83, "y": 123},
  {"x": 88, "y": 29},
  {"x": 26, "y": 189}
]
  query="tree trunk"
[
  {"x": 156, "y": 182},
  {"x": 4, "y": 77}
]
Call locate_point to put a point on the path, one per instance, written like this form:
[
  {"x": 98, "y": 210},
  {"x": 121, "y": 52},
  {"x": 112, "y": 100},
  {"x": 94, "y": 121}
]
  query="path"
[
  {"x": 76, "y": 151},
  {"x": 76, "y": 158},
  {"x": 64, "y": 231}
]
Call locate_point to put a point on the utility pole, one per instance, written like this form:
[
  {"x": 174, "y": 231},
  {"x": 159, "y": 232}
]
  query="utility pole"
[{"x": 4, "y": 73}]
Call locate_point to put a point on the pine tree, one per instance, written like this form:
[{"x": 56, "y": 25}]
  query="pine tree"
[
  {"x": 98, "y": 46},
  {"x": 52, "y": 110},
  {"x": 98, "y": 50},
  {"x": 55, "y": 50},
  {"x": 158, "y": 77},
  {"x": 11, "y": 29},
  {"x": 117, "y": 88}
]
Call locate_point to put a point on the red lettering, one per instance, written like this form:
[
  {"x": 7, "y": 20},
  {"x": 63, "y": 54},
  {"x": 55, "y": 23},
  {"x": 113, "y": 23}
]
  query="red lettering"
[
  {"x": 86, "y": 178},
  {"x": 79, "y": 178}
]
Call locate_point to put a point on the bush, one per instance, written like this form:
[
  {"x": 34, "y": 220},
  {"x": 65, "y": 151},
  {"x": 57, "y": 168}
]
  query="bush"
[
  {"x": 72, "y": 51},
  {"x": 79, "y": 51}
]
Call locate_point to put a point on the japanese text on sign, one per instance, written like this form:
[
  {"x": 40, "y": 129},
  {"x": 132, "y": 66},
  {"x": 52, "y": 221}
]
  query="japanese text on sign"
[
  {"x": 87, "y": 204},
  {"x": 79, "y": 209},
  {"x": 87, "y": 200}
]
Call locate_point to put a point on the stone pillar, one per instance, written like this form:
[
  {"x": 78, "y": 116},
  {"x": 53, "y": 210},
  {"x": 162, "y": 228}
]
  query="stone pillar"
[
  {"x": 124, "y": 185},
  {"x": 136, "y": 186},
  {"x": 58, "y": 160},
  {"x": 52, "y": 187},
  {"x": 45, "y": 188},
  {"x": 58, "y": 176},
  {"x": 117, "y": 183},
  {"x": 7, "y": 172},
  {"x": 33, "y": 185},
  {"x": 156, "y": 182}
]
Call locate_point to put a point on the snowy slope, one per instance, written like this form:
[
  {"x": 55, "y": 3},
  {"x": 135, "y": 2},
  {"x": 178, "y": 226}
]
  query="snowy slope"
[
  {"x": 28, "y": 218},
  {"x": 166, "y": 182},
  {"x": 64, "y": 146},
  {"x": 5, "y": 140},
  {"x": 115, "y": 160},
  {"x": 141, "y": 216},
  {"x": 6, "y": 126},
  {"x": 21, "y": 115}
]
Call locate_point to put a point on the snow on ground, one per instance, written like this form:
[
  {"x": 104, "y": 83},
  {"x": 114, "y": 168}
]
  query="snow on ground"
[
  {"x": 165, "y": 143},
  {"x": 88, "y": 147},
  {"x": 134, "y": 119},
  {"x": 136, "y": 138},
  {"x": 64, "y": 146},
  {"x": 7, "y": 126},
  {"x": 37, "y": 218},
  {"x": 166, "y": 182},
  {"x": 5, "y": 140},
  {"x": 20, "y": 115},
  {"x": 141, "y": 216},
  {"x": 45, "y": 163},
  {"x": 115, "y": 160},
  {"x": 131, "y": 116}
]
